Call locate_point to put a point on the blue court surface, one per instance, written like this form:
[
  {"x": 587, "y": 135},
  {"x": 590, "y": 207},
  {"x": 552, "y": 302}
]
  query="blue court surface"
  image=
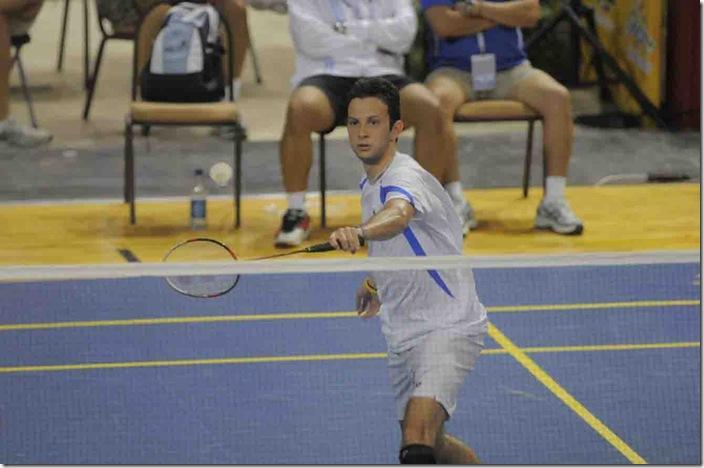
[{"x": 280, "y": 371}]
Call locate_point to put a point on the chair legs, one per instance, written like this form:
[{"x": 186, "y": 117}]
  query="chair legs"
[
  {"x": 529, "y": 154},
  {"x": 93, "y": 80},
  {"x": 255, "y": 62},
  {"x": 129, "y": 171},
  {"x": 321, "y": 160},
  {"x": 86, "y": 40},
  {"x": 62, "y": 41},
  {"x": 25, "y": 88},
  {"x": 237, "y": 180},
  {"x": 129, "y": 175}
]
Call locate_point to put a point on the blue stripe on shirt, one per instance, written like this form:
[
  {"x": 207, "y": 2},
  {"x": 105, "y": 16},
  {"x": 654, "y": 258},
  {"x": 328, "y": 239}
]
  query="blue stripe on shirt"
[{"x": 411, "y": 237}]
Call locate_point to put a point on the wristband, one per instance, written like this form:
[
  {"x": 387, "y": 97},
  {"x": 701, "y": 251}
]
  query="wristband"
[{"x": 369, "y": 287}]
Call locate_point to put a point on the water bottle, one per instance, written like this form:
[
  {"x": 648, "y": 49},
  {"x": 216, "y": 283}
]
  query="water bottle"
[{"x": 198, "y": 201}]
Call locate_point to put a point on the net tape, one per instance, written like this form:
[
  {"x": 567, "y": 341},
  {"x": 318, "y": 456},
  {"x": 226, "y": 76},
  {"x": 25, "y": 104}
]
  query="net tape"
[{"x": 22, "y": 273}]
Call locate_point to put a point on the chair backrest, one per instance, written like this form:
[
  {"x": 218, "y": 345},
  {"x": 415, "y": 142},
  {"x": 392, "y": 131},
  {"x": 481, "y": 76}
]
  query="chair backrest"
[
  {"x": 147, "y": 31},
  {"x": 117, "y": 17}
]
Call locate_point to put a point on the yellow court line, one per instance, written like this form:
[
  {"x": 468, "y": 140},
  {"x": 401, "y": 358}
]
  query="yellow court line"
[
  {"x": 322, "y": 315},
  {"x": 596, "y": 305},
  {"x": 326, "y": 357},
  {"x": 565, "y": 396},
  {"x": 194, "y": 362}
]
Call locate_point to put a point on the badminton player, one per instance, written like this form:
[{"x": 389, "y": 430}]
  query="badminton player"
[{"x": 432, "y": 320}]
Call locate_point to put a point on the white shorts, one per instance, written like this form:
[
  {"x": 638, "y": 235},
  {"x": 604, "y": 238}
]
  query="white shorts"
[{"x": 436, "y": 368}]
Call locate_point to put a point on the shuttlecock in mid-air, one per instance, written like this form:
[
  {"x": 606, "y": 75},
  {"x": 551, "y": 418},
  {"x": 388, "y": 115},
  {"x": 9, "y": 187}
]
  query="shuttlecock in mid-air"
[{"x": 221, "y": 173}]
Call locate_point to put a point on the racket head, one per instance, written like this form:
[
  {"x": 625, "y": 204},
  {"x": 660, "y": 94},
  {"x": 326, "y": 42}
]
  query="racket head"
[{"x": 201, "y": 250}]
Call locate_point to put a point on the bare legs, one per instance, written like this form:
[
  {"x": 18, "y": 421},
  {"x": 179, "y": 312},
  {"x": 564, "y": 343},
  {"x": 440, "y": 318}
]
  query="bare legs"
[
  {"x": 24, "y": 10},
  {"x": 423, "y": 424}
]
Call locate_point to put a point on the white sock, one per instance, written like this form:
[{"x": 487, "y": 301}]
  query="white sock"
[
  {"x": 297, "y": 201},
  {"x": 555, "y": 188},
  {"x": 454, "y": 189},
  {"x": 236, "y": 89}
]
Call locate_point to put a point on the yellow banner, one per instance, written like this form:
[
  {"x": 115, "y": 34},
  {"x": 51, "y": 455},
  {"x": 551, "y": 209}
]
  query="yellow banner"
[{"x": 633, "y": 32}]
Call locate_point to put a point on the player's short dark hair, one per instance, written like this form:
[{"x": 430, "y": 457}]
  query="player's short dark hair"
[{"x": 381, "y": 89}]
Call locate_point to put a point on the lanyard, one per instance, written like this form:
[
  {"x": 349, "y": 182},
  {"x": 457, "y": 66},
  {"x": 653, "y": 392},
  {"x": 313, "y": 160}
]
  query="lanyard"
[{"x": 336, "y": 8}]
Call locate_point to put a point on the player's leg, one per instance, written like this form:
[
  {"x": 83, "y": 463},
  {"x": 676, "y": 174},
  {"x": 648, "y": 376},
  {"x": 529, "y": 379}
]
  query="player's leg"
[
  {"x": 449, "y": 450},
  {"x": 420, "y": 428},
  {"x": 309, "y": 110},
  {"x": 437, "y": 368},
  {"x": 540, "y": 91}
]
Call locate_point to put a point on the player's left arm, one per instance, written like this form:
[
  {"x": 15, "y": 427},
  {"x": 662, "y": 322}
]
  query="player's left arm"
[{"x": 387, "y": 223}]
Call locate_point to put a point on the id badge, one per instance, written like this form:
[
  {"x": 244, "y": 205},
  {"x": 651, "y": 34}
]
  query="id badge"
[{"x": 483, "y": 72}]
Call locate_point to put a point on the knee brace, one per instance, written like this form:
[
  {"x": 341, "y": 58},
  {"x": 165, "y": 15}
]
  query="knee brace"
[{"x": 417, "y": 454}]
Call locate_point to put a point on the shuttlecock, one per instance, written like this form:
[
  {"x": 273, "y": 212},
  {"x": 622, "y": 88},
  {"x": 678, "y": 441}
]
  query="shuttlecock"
[{"x": 221, "y": 173}]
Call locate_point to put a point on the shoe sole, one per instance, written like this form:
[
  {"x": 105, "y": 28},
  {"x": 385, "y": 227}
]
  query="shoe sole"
[
  {"x": 469, "y": 225},
  {"x": 564, "y": 230},
  {"x": 287, "y": 245}
]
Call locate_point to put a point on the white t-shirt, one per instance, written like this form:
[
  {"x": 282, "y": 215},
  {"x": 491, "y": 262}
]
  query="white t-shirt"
[
  {"x": 378, "y": 34},
  {"x": 417, "y": 302}
]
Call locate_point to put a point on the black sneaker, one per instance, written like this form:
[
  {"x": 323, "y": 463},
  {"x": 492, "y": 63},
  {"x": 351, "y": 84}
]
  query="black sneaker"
[{"x": 295, "y": 228}]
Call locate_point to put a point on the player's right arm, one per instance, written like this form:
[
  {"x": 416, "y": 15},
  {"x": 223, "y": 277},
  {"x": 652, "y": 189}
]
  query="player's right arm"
[{"x": 387, "y": 223}]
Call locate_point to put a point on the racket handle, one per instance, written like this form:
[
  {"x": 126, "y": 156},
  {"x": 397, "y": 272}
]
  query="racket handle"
[{"x": 326, "y": 247}]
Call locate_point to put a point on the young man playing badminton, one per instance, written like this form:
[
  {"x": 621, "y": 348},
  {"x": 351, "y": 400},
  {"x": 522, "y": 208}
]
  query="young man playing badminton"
[{"x": 432, "y": 320}]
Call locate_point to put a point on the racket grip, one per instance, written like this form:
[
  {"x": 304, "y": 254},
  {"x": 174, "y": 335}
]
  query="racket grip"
[{"x": 326, "y": 247}]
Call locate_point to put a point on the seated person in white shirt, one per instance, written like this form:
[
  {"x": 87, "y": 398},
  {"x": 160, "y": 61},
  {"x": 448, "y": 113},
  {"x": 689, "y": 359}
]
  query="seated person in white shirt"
[{"x": 337, "y": 42}]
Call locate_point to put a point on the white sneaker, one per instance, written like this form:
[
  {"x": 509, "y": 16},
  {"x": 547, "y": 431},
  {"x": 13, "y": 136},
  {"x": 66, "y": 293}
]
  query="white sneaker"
[
  {"x": 295, "y": 227},
  {"x": 466, "y": 214},
  {"x": 22, "y": 135},
  {"x": 558, "y": 217}
]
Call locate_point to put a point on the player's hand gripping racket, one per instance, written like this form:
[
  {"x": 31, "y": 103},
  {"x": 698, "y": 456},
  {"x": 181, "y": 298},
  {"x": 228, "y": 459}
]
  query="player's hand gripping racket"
[{"x": 203, "y": 249}]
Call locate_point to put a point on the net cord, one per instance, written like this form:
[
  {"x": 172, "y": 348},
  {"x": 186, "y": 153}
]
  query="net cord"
[{"x": 22, "y": 273}]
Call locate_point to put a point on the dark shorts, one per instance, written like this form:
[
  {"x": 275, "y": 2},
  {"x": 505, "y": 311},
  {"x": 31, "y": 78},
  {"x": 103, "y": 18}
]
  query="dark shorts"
[{"x": 336, "y": 88}]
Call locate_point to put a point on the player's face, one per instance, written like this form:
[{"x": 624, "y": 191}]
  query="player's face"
[{"x": 369, "y": 130}]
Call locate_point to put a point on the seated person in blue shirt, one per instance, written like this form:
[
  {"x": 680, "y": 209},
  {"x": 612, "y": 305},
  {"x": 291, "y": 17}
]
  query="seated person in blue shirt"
[{"x": 471, "y": 38}]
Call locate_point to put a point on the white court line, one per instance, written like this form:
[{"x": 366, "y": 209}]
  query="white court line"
[{"x": 23, "y": 273}]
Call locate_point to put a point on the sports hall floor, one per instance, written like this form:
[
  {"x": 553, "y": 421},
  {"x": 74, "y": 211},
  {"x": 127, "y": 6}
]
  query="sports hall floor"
[{"x": 593, "y": 356}]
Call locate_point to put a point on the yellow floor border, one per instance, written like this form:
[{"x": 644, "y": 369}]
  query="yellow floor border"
[{"x": 617, "y": 219}]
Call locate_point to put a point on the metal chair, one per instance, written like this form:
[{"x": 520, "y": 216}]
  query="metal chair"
[
  {"x": 224, "y": 113},
  {"x": 504, "y": 111},
  {"x": 86, "y": 40},
  {"x": 122, "y": 27},
  {"x": 18, "y": 42}
]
